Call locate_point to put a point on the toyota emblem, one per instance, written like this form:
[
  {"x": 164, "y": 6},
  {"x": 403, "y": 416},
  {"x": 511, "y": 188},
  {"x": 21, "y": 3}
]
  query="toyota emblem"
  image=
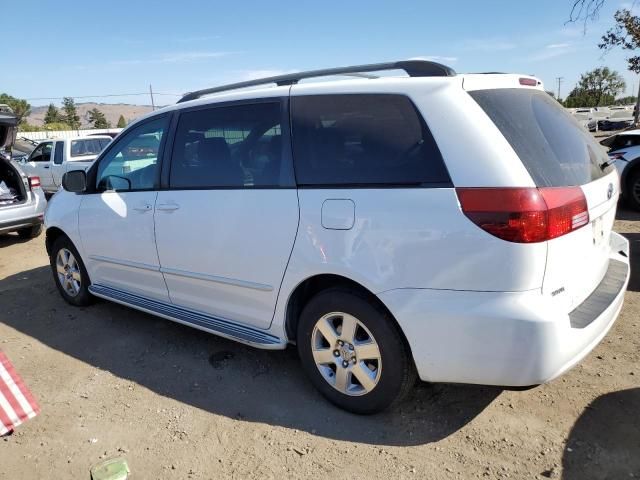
[{"x": 610, "y": 191}]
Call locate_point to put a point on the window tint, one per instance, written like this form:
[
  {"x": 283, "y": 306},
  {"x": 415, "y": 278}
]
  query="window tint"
[
  {"x": 624, "y": 141},
  {"x": 57, "y": 156},
  {"x": 553, "y": 147},
  {"x": 234, "y": 146},
  {"x": 363, "y": 140},
  {"x": 132, "y": 162},
  {"x": 89, "y": 146}
]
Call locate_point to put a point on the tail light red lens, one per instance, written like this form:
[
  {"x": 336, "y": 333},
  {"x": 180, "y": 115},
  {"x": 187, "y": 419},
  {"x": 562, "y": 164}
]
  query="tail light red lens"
[
  {"x": 525, "y": 215},
  {"x": 34, "y": 182}
]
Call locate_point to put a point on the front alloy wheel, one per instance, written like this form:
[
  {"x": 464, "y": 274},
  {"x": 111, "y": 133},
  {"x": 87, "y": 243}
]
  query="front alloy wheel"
[{"x": 69, "y": 274}]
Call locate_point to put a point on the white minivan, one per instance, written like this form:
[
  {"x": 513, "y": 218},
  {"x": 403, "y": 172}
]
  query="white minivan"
[{"x": 453, "y": 227}]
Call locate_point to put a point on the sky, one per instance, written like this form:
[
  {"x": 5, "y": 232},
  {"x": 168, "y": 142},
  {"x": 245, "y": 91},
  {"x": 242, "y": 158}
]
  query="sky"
[{"x": 72, "y": 48}]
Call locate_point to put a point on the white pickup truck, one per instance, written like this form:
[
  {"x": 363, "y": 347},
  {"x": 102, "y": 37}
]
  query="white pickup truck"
[{"x": 53, "y": 158}]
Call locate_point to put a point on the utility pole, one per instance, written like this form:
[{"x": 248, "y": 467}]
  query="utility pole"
[
  {"x": 153, "y": 105},
  {"x": 559, "y": 79},
  {"x": 636, "y": 111}
]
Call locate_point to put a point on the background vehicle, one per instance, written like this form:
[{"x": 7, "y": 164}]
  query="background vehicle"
[
  {"x": 52, "y": 158},
  {"x": 349, "y": 218},
  {"x": 22, "y": 201},
  {"x": 586, "y": 118},
  {"x": 624, "y": 151},
  {"x": 617, "y": 120}
]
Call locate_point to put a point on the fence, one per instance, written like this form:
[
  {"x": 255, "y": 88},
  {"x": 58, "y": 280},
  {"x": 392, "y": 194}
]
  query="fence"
[{"x": 44, "y": 135}]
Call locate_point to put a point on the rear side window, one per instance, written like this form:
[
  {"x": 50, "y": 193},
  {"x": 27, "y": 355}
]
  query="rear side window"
[
  {"x": 237, "y": 146},
  {"x": 553, "y": 147},
  {"x": 363, "y": 140},
  {"x": 91, "y": 146}
]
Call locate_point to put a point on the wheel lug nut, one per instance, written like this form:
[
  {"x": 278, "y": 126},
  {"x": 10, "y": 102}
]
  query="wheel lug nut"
[
  {"x": 340, "y": 342},
  {"x": 345, "y": 364},
  {"x": 336, "y": 353},
  {"x": 353, "y": 360},
  {"x": 350, "y": 347}
]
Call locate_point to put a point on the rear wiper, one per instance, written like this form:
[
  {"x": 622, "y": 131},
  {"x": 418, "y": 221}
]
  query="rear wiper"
[{"x": 606, "y": 164}]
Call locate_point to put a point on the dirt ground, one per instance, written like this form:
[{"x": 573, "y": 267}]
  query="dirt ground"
[{"x": 178, "y": 403}]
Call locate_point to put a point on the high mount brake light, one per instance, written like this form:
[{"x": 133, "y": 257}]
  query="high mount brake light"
[
  {"x": 525, "y": 215},
  {"x": 529, "y": 82}
]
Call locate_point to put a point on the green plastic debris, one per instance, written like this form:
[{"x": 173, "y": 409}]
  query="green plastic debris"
[{"x": 113, "y": 469}]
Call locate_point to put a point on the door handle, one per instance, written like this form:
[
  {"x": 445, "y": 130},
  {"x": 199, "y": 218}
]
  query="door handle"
[
  {"x": 167, "y": 207},
  {"x": 146, "y": 207},
  {"x": 46, "y": 166}
]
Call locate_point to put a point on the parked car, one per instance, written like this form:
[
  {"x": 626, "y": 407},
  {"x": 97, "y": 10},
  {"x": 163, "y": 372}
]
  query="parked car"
[
  {"x": 457, "y": 227},
  {"x": 624, "y": 153},
  {"x": 617, "y": 120},
  {"x": 52, "y": 158},
  {"x": 585, "y": 116},
  {"x": 22, "y": 201}
]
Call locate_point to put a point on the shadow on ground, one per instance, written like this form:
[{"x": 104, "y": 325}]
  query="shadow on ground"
[
  {"x": 221, "y": 376},
  {"x": 634, "y": 248},
  {"x": 604, "y": 443},
  {"x": 9, "y": 239},
  {"x": 626, "y": 213}
]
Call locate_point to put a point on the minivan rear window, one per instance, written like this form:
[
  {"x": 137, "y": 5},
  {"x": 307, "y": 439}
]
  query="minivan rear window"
[
  {"x": 365, "y": 140},
  {"x": 553, "y": 147}
]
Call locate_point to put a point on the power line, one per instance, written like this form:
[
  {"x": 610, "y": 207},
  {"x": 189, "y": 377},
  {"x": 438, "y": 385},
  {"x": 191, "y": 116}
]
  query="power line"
[{"x": 106, "y": 96}]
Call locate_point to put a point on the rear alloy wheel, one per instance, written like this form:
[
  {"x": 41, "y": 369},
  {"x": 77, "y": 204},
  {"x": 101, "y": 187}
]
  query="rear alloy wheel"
[
  {"x": 69, "y": 273},
  {"x": 353, "y": 352},
  {"x": 346, "y": 354}
]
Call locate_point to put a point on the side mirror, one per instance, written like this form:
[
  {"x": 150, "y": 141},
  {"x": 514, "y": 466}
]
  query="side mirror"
[{"x": 75, "y": 181}]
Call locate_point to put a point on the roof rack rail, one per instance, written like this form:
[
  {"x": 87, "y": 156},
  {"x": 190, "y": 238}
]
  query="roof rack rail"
[{"x": 414, "y": 68}]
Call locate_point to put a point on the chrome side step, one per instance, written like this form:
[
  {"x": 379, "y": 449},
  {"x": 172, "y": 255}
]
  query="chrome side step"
[{"x": 224, "y": 328}]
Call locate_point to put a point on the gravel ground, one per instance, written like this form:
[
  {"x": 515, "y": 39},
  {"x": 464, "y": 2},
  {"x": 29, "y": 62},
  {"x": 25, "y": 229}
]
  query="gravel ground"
[{"x": 177, "y": 403}]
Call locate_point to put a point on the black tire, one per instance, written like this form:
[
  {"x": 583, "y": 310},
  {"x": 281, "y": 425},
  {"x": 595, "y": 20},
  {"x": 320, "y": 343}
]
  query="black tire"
[
  {"x": 397, "y": 372},
  {"x": 633, "y": 185},
  {"x": 83, "y": 297},
  {"x": 30, "y": 232}
]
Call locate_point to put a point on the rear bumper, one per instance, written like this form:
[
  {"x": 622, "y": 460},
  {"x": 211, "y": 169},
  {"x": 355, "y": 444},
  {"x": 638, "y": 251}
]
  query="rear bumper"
[
  {"x": 504, "y": 338},
  {"x": 12, "y": 226},
  {"x": 24, "y": 215}
]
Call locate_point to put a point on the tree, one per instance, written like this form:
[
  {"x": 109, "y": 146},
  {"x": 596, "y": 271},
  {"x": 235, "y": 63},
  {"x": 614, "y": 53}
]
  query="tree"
[
  {"x": 52, "y": 115},
  {"x": 631, "y": 99},
  {"x": 21, "y": 108},
  {"x": 70, "y": 116},
  {"x": 98, "y": 119},
  {"x": 122, "y": 122},
  {"x": 595, "y": 88},
  {"x": 57, "y": 126},
  {"x": 625, "y": 34}
]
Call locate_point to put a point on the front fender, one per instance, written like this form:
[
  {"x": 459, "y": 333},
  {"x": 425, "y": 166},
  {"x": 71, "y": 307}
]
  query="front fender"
[{"x": 63, "y": 212}]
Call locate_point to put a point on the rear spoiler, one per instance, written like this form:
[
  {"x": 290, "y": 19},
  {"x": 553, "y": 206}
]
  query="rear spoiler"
[{"x": 495, "y": 80}]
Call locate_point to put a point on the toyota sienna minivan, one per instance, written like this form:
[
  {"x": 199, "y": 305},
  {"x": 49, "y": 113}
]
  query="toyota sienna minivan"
[{"x": 454, "y": 228}]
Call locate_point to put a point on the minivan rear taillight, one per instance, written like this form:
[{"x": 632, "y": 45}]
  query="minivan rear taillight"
[
  {"x": 34, "y": 182},
  {"x": 525, "y": 215}
]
